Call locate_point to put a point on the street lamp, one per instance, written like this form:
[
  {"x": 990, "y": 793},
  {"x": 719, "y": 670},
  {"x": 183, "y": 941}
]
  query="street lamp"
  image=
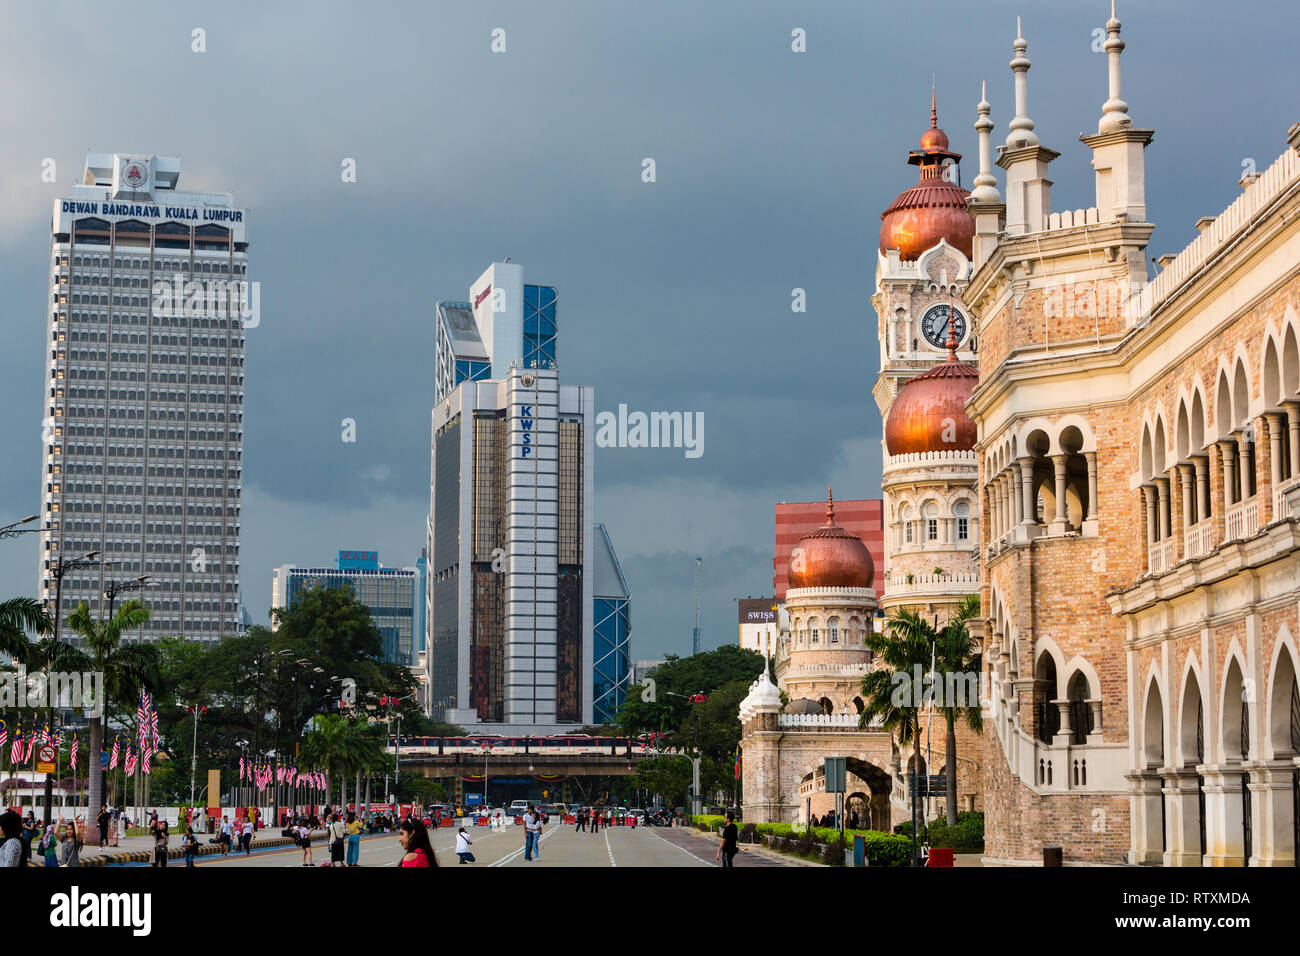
[
  {"x": 13, "y": 530},
  {"x": 59, "y": 570}
]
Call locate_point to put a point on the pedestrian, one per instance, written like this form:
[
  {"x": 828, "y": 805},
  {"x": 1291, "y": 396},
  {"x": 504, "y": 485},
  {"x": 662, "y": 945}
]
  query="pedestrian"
[
  {"x": 415, "y": 841},
  {"x": 304, "y": 841},
  {"x": 582, "y": 820},
  {"x": 225, "y": 835},
  {"x": 537, "y": 840},
  {"x": 29, "y": 836},
  {"x": 101, "y": 824},
  {"x": 160, "y": 837},
  {"x": 119, "y": 815},
  {"x": 338, "y": 835},
  {"x": 11, "y": 850},
  {"x": 727, "y": 849},
  {"x": 247, "y": 835},
  {"x": 462, "y": 846},
  {"x": 353, "y": 827},
  {"x": 71, "y": 846},
  {"x": 530, "y": 833},
  {"x": 191, "y": 845},
  {"x": 49, "y": 847}
]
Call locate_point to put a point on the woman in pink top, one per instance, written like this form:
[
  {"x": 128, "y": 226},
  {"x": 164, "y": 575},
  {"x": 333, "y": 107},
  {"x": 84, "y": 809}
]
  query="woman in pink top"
[{"x": 415, "y": 841}]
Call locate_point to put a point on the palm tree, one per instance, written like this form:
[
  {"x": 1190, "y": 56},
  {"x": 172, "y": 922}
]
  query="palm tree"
[
  {"x": 890, "y": 695},
  {"x": 125, "y": 668},
  {"x": 957, "y": 653},
  {"x": 18, "y": 616},
  {"x": 332, "y": 743}
]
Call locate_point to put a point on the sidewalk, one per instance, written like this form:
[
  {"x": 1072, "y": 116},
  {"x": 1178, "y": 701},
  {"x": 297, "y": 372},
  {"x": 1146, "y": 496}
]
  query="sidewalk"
[
  {"x": 139, "y": 849},
  {"x": 755, "y": 848}
]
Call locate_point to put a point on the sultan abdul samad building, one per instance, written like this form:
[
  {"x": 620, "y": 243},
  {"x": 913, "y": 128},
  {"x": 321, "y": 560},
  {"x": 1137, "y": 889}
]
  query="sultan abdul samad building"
[{"x": 1120, "y": 482}]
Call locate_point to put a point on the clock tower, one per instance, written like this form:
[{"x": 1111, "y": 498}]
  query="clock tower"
[{"x": 927, "y": 372}]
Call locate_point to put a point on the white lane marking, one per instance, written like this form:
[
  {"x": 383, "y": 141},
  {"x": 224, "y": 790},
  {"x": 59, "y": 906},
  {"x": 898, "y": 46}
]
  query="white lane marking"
[
  {"x": 608, "y": 849},
  {"x": 697, "y": 859}
]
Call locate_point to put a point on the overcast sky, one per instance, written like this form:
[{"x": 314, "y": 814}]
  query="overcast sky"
[{"x": 772, "y": 169}]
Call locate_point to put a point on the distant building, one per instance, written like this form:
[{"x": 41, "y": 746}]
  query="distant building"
[
  {"x": 758, "y": 616},
  {"x": 862, "y": 518},
  {"x": 389, "y": 593},
  {"x": 611, "y": 667},
  {"x": 643, "y": 669}
]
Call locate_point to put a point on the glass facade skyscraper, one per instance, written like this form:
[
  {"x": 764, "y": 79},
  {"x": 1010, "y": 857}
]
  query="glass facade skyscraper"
[
  {"x": 389, "y": 594},
  {"x": 611, "y": 632}
]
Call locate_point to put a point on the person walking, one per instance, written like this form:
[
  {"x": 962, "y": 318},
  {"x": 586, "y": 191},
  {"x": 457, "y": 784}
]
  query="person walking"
[
  {"x": 190, "y": 843},
  {"x": 101, "y": 824},
  {"x": 462, "y": 846},
  {"x": 415, "y": 841},
  {"x": 582, "y": 820},
  {"x": 353, "y": 828},
  {"x": 225, "y": 837},
  {"x": 247, "y": 836},
  {"x": 71, "y": 851},
  {"x": 304, "y": 841},
  {"x": 727, "y": 849},
  {"x": 11, "y": 830},
  {"x": 530, "y": 833},
  {"x": 160, "y": 838},
  {"x": 537, "y": 838},
  {"x": 338, "y": 836},
  {"x": 29, "y": 836}
]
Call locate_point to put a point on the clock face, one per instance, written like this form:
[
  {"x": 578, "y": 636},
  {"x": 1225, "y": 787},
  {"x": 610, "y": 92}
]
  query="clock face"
[{"x": 934, "y": 325}]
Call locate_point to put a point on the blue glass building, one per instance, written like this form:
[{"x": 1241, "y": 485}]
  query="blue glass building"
[
  {"x": 611, "y": 631},
  {"x": 389, "y": 594}
]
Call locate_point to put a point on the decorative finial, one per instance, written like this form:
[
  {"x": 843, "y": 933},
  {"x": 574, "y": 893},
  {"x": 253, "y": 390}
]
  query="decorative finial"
[
  {"x": 986, "y": 186},
  {"x": 830, "y": 507},
  {"x": 1114, "y": 112},
  {"x": 934, "y": 109},
  {"x": 1022, "y": 127}
]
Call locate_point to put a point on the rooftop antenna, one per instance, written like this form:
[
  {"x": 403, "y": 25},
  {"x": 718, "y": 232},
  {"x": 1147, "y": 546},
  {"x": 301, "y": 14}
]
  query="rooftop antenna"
[{"x": 695, "y": 634}]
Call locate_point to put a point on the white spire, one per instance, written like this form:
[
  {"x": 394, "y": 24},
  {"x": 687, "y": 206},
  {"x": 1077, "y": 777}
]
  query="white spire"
[
  {"x": 1022, "y": 127},
  {"x": 986, "y": 185},
  {"x": 1114, "y": 112}
]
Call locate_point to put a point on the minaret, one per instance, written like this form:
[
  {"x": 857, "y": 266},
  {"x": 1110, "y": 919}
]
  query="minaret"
[
  {"x": 1117, "y": 148},
  {"x": 1029, "y": 191},
  {"x": 985, "y": 202}
]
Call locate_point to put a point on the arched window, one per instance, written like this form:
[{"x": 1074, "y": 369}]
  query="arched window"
[
  {"x": 961, "y": 511},
  {"x": 834, "y": 625}
]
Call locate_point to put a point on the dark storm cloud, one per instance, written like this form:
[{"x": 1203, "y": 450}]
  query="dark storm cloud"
[{"x": 772, "y": 169}]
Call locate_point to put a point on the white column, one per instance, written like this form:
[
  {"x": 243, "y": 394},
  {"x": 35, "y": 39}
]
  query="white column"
[
  {"x": 1061, "y": 522},
  {"x": 1202, "y": 465},
  {"x": 1091, "y": 457},
  {"x": 1027, "y": 483},
  {"x": 1293, "y": 434},
  {"x": 1228, "y": 453}
]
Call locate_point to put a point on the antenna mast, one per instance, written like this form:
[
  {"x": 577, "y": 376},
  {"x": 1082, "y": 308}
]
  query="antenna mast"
[{"x": 695, "y": 634}]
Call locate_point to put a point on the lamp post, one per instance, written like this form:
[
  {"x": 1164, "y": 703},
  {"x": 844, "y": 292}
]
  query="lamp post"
[
  {"x": 13, "y": 530},
  {"x": 59, "y": 570}
]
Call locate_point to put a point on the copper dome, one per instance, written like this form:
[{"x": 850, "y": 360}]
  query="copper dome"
[
  {"x": 934, "y": 208},
  {"x": 929, "y": 413},
  {"x": 831, "y": 557}
]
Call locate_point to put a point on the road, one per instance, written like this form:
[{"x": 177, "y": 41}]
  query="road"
[{"x": 561, "y": 847}]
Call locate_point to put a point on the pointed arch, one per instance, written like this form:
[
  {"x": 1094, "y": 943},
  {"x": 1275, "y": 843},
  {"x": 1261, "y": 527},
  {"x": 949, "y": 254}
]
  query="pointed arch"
[{"x": 1153, "y": 723}]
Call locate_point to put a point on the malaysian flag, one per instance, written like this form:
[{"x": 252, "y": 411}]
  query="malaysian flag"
[
  {"x": 112, "y": 761},
  {"x": 153, "y": 726},
  {"x": 4, "y": 736},
  {"x": 72, "y": 758},
  {"x": 130, "y": 760},
  {"x": 31, "y": 747},
  {"x": 144, "y": 762},
  {"x": 16, "y": 751},
  {"x": 142, "y": 717},
  {"x": 241, "y": 768},
  {"x": 45, "y": 735}
]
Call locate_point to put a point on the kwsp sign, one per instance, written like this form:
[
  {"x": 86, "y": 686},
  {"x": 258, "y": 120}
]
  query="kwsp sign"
[{"x": 526, "y": 424}]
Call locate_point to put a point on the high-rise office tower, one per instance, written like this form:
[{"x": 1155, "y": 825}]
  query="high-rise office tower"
[
  {"x": 510, "y": 530},
  {"x": 144, "y": 395}
]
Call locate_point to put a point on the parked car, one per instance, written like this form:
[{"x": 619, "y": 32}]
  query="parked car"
[{"x": 517, "y": 808}]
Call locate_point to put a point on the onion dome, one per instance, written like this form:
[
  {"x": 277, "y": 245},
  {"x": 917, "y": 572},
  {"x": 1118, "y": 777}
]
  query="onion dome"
[
  {"x": 763, "y": 697},
  {"x": 831, "y": 557},
  {"x": 932, "y": 210},
  {"x": 929, "y": 414}
]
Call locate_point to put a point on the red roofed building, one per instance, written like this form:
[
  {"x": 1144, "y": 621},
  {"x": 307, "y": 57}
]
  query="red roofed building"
[{"x": 863, "y": 518}]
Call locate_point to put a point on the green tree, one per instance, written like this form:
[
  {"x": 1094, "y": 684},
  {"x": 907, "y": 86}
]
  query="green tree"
[
  {"x": 126, "y": 668},
  {"x": 957, "y": 656},
  {"x": 677, "y": 679},
  {"x": 668, "y": 776},
  {"x": 18, "y": 616}
]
